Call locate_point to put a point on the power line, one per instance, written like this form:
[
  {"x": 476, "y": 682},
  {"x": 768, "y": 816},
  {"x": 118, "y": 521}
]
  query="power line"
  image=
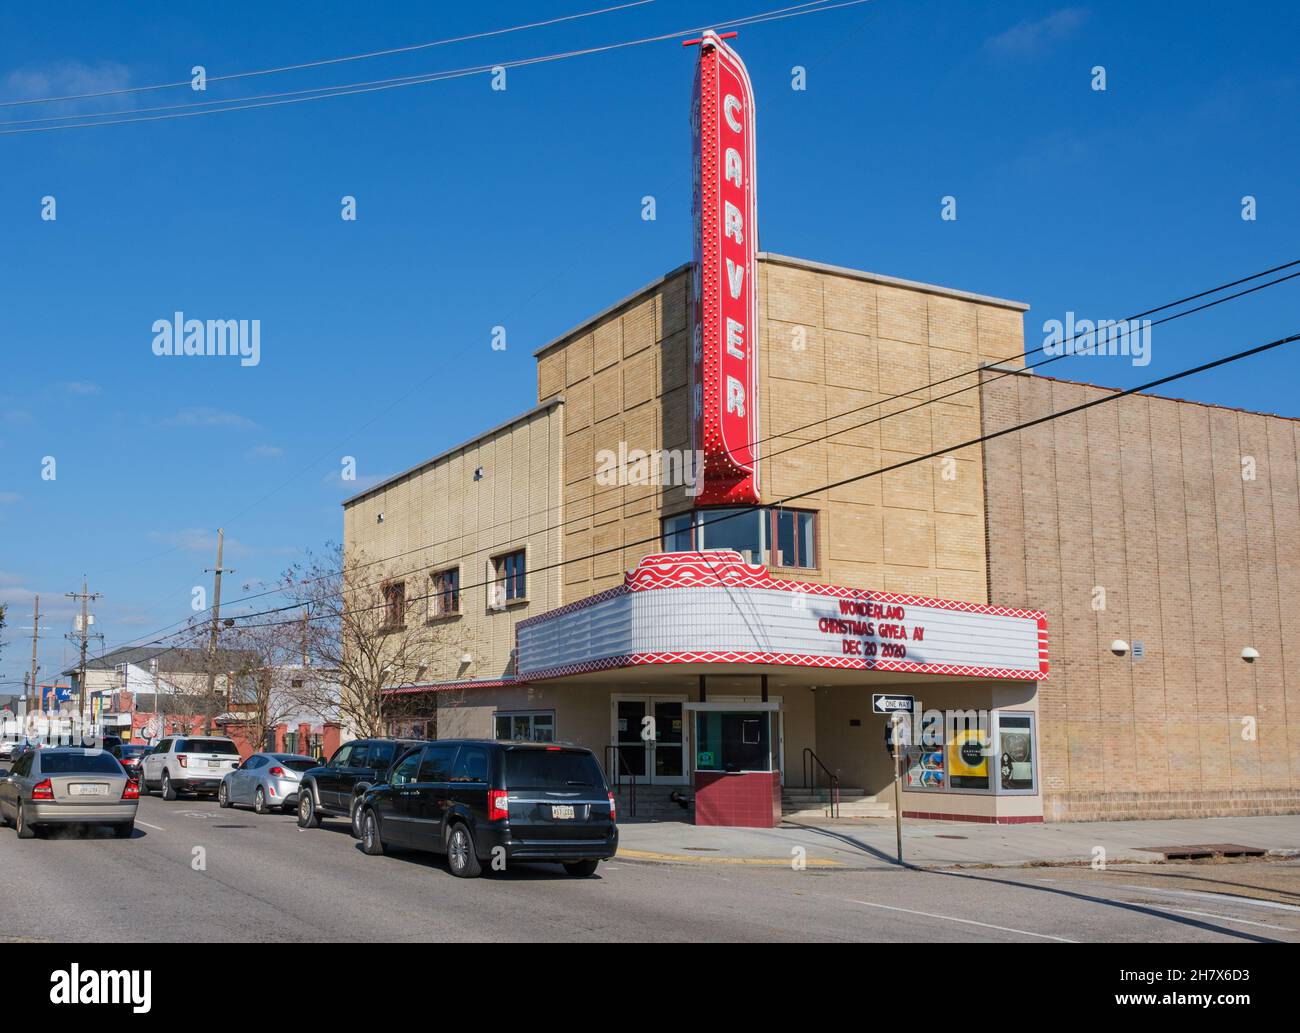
[
  {"x": 1203, "y": 367},
  {"x": 348, "y": 89},
  {"x": 325, "y": 61},
  {"x": 929, "y": 401},
  {"x": 448, "y": 560}
]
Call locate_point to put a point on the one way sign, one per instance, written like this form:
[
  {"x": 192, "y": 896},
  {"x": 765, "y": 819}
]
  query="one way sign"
[{"x": 888, "y": 703}]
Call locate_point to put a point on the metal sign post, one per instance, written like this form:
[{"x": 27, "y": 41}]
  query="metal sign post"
[{"x": 896, "y": 722}]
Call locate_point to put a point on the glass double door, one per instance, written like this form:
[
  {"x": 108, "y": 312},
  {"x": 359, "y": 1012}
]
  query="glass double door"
[{"x": 650, "y": 733}]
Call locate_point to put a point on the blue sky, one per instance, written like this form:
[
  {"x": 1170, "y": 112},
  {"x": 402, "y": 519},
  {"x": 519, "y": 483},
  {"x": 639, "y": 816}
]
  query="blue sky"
[{"x": 523, "y": 208}]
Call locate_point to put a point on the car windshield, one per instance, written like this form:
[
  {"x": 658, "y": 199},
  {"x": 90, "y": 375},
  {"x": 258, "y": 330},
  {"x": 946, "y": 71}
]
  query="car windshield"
[
  {"x": 207, "y": 746},
  {"x": 53, "y": 763},
  {"x": 552, "y": 769},
  {"x": 297, "y": 763}
]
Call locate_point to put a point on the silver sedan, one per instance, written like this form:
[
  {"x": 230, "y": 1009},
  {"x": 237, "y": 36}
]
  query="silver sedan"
[
  {"x": 68, "y": 786},
  {"x": 266, "y": 781}
]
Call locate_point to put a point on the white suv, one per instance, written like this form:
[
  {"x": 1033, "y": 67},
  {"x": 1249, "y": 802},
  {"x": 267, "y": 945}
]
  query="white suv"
[{"x": 188, "y": 764}]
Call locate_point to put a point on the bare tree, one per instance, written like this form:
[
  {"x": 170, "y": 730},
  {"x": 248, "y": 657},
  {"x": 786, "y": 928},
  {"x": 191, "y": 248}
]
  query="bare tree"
[{"x": 371, "y": 627}]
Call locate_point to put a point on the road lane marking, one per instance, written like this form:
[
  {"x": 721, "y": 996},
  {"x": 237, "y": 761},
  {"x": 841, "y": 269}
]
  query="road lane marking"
[
  {"x": 963, "y": 921},
  {"x": 1221, "y": 918},
  {"x": 763, "y": 862},
  {"x": 156, "y": 828},
  {"x": 1220, "y": 897}
]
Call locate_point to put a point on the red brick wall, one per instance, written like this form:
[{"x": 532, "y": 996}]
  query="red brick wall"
[{"x": 1145, "y": 498}]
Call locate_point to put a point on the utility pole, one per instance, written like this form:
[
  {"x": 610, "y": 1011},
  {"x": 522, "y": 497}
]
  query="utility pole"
[
  {"x": 83, "y": 634},
  {"x": 216, "y": 571},
  {"x": 36, "y": 634}
]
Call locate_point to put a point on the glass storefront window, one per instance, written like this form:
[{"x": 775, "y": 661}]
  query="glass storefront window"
[
  {"x": 1016, "y": 753},
  {"x": 525, "y": 726},
  {"x": 969, "y": 747},
  {"x": 733, "y": 740}
]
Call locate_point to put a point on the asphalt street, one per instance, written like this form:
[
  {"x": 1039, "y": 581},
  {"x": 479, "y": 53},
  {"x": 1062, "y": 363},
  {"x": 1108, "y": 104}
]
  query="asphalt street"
[{"x": 196, "y": 872}]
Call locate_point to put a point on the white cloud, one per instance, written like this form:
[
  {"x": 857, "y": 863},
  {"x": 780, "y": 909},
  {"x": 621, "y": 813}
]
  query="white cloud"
[
  {"x": 70, "y": 79},
  {"x": 7, "y": 497},
  {"x": 206, "y": 416},
  {"x": 81, "y": 387},
  {"x": 265, "y": 452},
  {"x": 1031, "y": 37}
]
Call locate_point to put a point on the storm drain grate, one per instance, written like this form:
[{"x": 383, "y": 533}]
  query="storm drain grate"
[
  {"x": 940, "y": 835},
  {"x": 703, "y": 849},
  {"x": 232, "y": 826},
  {"x": 1200, "y": 851}
]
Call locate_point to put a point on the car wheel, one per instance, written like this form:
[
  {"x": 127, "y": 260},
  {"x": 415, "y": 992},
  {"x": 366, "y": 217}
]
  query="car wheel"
[
  {"x": 372, "y": 842},
  {"x": 354, "y": 817},
  {"x": 581, "y": 869},
  {"x": 124, "y": 830},
  {"x": 144, "y": 784},
  {"x": 168, "y": 791},
  {"x": 223, "y": 796},
  {"x": 259, "y": 801},
  {"x": 24, "y": 830},
  {"x": 307, "y": 816},
  {"x": 461, "y": 858}
]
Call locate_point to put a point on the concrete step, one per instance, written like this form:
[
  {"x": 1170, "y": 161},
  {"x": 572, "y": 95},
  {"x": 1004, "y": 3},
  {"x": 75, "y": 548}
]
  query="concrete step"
[{"x": 862, "y": 810}]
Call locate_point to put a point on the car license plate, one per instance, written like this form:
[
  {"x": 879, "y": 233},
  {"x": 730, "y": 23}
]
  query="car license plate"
[
  {"x": 561, "y": 810},
  {"x": 88, "y": 789}
]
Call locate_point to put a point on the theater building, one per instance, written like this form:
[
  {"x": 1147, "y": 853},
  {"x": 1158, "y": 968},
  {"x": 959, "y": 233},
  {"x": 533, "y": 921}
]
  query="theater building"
[{"x": 672, "y": 556}]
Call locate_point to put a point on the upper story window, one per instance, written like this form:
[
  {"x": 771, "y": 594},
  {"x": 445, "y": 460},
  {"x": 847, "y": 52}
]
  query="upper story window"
[
  {"x": 510, "y": 578},
  {"x": 395, "y": 604},
  {"x": 762, "y": 534},
  {"x": 444, "y": 594}
]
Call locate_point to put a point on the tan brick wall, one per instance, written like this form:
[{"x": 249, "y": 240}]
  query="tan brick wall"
[
  {"x": 833, "y": 343},
  {"x": 439, "y": 516},
  {"x": 1145, "y": 498}
]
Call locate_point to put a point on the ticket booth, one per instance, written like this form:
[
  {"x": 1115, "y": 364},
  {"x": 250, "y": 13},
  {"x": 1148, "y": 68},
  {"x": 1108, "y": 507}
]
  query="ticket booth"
[{"x": 735, "y": 767}]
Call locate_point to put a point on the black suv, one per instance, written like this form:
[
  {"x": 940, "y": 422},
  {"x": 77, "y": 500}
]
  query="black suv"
[
  {"x": 486, "y": 802},
  {"x": 333, "y": 789}
]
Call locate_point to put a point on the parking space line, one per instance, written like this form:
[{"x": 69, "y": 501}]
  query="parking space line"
[
  {"x": 964, "y": 921},
  {"x": 156, "y": 828},
  {"x": 1221, "y": 918}
]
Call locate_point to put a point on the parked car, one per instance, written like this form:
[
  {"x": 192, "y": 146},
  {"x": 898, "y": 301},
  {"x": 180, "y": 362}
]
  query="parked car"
[
  {"x": 480, "y": 800},
  {"x": 129, "y": 755},
  {"x": 333, "y": 789},
  {"x": 10, "y": 748},
  {"x": 66, "y": 785},
  {"x": 266, "y": 780},
  {"x": 188, "y": 764}
]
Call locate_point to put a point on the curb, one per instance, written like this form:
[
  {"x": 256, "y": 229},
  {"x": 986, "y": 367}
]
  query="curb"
[{"x": 654, "y": 857}]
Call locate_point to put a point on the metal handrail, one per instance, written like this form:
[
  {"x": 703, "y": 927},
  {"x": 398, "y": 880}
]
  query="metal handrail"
[
  {"x": 619, "y": 767},
  {"x": 833, "y": 780}
]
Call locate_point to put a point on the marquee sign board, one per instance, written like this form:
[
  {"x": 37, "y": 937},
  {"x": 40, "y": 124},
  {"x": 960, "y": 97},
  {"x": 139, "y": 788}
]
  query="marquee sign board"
[
  {"x": 713, "y": 607},
  {"x": 724, "y": 287}
]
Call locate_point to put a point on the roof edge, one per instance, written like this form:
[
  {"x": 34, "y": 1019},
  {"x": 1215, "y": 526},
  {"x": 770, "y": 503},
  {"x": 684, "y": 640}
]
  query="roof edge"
[
  {"x": 609, "y": 309},
  {"x": 550, "y": 403},
  {"x": 890, "y": 281}
]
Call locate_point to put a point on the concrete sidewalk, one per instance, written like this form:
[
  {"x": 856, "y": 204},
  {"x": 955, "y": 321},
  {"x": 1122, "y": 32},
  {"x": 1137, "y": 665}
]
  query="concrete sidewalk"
[{"x": 871, "y": 845}]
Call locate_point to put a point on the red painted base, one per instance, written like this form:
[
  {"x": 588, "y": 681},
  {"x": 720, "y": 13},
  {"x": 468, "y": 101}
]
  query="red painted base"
[
  {"x": 750, "y": 799},
  {"x": 984, "y": 819}
]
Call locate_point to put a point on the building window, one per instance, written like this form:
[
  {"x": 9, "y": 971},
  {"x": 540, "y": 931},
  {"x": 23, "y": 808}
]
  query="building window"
[
  {"x": 525, "y": 725},
  {"x": 510, "y": 580},
  {"x": 768, "y": 535},
  {"x": 444, "y": 600},
  {"x": 1015, "y": 752},
  {"x": 395, "y": 604}
]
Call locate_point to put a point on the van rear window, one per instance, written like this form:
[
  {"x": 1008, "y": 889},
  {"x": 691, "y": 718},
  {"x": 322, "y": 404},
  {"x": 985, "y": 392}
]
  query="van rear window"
[
  {"x": 224, "y": 746},
  {"x": 552, "y": 769}
]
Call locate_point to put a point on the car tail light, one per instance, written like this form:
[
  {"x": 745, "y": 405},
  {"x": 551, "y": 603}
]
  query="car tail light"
[
  {"x": 131, "y": 791},
  {"x": 43, "y": 790},
  {"x": 553, "y": 749},
  {"x": 613, "y": 809},
  {"x": 277, "y": 772},
  {"x": 183, "y": 760},
  {"x": 498, "y": 805}
]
